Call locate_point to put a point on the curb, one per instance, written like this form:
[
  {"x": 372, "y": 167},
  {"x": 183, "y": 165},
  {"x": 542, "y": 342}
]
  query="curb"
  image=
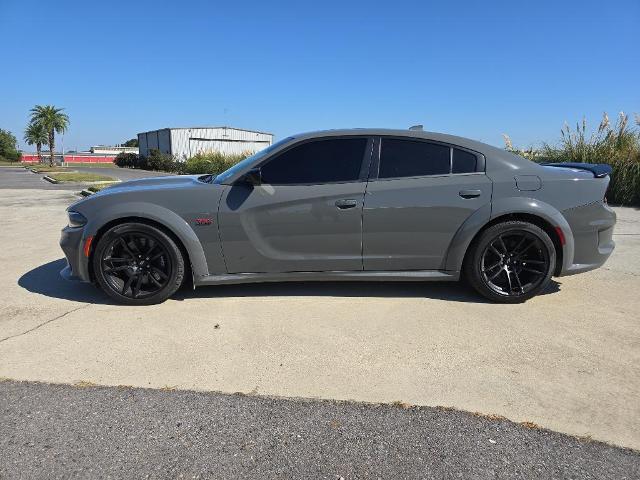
[{"x": 101, "y": 182}]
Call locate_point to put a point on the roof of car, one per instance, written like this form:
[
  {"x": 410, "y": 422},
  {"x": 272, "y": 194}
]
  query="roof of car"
[{"x": 438, "y": 137}]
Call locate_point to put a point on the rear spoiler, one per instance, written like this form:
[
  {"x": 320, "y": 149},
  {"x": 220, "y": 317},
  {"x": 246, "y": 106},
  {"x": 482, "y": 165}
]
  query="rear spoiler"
[{"x": 599, "y": 170}]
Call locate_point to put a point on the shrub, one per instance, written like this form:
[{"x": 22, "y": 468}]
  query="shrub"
[
  {"x": 618, "y": 145},
  {"x": 8, "y": 146},
  {"x": 213, "y": 162},
  {"x": 127, "y": 160},
  {"x": 14, "y": 158},
  {"x": 161, "y": 161},
  {"x": 198, "y": 165},
  {"x": 201, "y": 163}
]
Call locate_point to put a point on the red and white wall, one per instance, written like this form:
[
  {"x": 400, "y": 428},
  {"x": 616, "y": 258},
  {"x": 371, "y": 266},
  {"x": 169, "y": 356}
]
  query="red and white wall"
[
  {"x": 79, "y": 158},
  {"x": 71, "y": 158}
]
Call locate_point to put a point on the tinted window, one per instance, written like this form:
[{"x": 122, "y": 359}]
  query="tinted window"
[
  {"x": 463, "y": 162},
  {"x": 407, "y": 158},
  {"x": 224, "y": 176},
  {"x": 321, "y": 161}
]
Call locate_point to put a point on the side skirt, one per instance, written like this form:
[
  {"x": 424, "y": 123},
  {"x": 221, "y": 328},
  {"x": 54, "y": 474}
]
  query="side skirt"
[{"x": 380, "y": 276}]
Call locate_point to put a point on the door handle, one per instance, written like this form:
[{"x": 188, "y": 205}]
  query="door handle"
[
  {"x": 346, "y": 203},
  {"x": 470, "y": 193}
]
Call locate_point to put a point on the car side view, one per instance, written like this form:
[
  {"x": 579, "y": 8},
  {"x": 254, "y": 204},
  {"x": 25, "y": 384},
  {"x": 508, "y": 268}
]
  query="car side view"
[{"x": 361, "y": 204}]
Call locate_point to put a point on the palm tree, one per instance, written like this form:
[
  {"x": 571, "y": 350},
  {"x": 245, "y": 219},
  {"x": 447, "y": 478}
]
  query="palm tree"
[
  {"x": 36, "y": 135},
  {"x": 53, "y": 120}
]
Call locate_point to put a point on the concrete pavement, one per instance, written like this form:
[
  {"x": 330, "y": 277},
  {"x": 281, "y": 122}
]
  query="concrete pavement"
[{"x": 566, "y": 360}]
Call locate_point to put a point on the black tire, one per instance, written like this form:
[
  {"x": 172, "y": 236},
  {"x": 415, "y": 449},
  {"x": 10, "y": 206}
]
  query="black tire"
[
  {"x": 138, "y": 264},
  {"x": 510, "y": 262}
]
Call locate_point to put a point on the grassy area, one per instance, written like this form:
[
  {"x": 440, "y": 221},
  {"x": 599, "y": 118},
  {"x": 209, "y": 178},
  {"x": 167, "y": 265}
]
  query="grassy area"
[
  {"x": 4, "y": 163},
  {"x": 80, "y": 177},
  {"x": 40, "y": 168},
  {"x": 46, "y": 168},
  {"x": 97, "y": 188}
]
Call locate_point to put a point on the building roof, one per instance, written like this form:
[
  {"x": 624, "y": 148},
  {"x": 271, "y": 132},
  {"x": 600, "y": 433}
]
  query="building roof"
[{"x": 205, "y": 128}]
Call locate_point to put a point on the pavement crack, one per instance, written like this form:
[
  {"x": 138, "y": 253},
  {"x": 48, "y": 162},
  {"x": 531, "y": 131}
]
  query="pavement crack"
[{"x": 44, "y": 323}]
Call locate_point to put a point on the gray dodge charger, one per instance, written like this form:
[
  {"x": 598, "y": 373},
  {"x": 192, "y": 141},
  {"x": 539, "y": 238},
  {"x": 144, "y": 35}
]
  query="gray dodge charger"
[{"x": 363, "y": 204}]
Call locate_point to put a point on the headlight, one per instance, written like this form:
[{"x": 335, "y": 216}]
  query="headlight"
[{"x": 76, "y": 219}]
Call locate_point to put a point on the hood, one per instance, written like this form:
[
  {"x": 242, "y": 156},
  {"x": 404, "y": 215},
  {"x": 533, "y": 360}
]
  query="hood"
[
  {"x": 153, "y": 183},
  {"x": 150, "y": 185}
]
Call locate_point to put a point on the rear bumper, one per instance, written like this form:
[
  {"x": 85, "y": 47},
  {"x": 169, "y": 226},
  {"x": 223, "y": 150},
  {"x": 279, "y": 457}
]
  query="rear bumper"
[
  {"x": 592, "y": 230},
  {"x": 71, "y": 241}
]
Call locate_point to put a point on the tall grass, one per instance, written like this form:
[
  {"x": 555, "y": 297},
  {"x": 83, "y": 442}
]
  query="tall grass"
[
  {"x": 213, "y": 162},
  {"x": 617, "y": 144},
  {"x": 204, "y": 162}
]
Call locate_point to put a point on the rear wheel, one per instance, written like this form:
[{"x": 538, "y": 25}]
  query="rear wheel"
[
  {"x": 511, "y": 262},
  {"x": 138, "y": 264}
]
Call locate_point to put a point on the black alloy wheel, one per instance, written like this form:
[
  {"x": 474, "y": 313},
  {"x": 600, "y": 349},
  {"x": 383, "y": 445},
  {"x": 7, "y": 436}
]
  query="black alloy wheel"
[
  {"x": 138, "y": 264},
  {"x": 514, "y": 263},
  {"x": 511, "y": 262}
]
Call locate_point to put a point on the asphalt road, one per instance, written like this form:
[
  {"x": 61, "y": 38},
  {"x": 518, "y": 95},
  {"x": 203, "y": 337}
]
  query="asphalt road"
[
  {"x": 20, "y": 178},
  {"x": 55, "y": 431},
  {"x": 123, "y": 174}
]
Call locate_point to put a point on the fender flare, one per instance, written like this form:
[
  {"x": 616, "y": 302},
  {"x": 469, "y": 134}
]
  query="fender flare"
[
  {"x": 498, "y": 208},
  {"x": 158, "y": 214}
]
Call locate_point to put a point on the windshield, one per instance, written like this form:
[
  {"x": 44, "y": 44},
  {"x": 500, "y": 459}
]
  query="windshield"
[{"x": 222, "y": 178}]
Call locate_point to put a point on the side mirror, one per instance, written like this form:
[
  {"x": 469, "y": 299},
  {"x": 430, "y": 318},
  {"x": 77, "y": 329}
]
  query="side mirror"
[{"x": 252, "y": 177}]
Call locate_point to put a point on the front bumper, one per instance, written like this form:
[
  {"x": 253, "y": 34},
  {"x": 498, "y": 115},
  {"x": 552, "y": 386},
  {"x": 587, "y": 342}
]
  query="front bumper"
[
  {"x": 592, "y": 230},
  {"x": 71, "y": 241}
]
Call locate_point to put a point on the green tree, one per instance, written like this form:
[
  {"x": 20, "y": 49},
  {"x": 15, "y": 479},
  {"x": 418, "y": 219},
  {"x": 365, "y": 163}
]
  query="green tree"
[
  {"x": 36, "y": 134},
  {"x": 8, "y": 146},
  {"x": 131, "y": 143},
  {"x": 53, "y": 120}
]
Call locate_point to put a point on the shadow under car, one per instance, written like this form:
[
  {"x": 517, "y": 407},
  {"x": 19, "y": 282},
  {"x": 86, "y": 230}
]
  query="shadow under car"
[{"x": 46, "y": 280}]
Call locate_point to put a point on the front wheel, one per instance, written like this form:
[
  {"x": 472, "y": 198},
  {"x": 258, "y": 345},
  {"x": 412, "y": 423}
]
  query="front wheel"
[
  {"x": 138, "y": 264},
  {"x": 510, "y": 262}
]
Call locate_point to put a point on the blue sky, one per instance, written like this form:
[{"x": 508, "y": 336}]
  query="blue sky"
[{"x": 475, "y": 69}]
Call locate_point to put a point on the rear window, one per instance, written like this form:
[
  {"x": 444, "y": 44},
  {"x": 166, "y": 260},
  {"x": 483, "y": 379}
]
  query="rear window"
[
  {"x": 463, "y": 162},
  {"x": 408, "y": 158}
]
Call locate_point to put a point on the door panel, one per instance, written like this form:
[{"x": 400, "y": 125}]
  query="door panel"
[
  {"x": 292, "y": 228},
  {"x": 408, "y": 223}
]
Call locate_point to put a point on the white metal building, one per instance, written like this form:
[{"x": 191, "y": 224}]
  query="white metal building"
[
  {"x": 186, "y": 142},
  {"x": 110, "y": 150}
]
